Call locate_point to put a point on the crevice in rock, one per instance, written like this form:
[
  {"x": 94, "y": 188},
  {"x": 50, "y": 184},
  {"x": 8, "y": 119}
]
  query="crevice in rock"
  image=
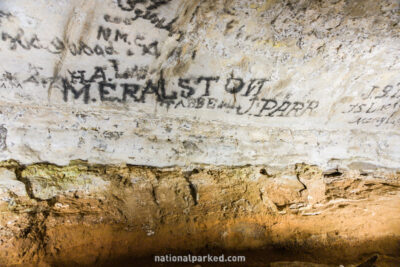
[{"x": 192, "y": 187}]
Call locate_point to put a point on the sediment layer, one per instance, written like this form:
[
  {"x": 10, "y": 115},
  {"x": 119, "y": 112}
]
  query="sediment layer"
[{"x": 84, "y": 214}]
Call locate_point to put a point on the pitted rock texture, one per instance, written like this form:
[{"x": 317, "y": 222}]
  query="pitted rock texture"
[
  {"x": 298, "y": 213},
  {"x": 175, "y": 83}
]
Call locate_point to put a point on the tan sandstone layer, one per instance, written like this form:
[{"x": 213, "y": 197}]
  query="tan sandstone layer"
[{"x": 87, "y": 215}]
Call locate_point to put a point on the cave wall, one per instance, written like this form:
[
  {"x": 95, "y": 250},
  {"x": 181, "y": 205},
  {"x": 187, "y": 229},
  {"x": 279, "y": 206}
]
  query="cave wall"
[
  {"x": 165, "y": 83},
  {"x": 135, "y": 127}
]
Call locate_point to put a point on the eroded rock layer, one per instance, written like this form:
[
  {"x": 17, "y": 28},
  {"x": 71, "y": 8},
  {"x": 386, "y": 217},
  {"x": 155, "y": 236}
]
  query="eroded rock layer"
[
  {"x": 94, "y": 214},
  {"x": 263, "y": 127}
]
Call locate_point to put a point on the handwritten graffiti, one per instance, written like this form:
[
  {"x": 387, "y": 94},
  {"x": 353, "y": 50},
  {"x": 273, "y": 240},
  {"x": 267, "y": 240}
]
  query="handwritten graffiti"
[
  {"x": 129, "y": 5},
  {"x": 35, "y": 77},
  {"x": 9, "y": 80},
  {"x": 144, "y": 9},
  {"x": 389, "y": 91},
  {"x": 377, "y": 121},
  {"x": 147, "y": 48},
  {"x": 280, "y": 108},
  {"x": 106, "y": 33},
  {"x": 56, "y": 46},
  {"x": 188, "y": 93},
  {"x": 372, "y": 107},
  {"x": 6, "y": 15},
  {"x": 377, "y": 107},
  {"x": 136, "y": 72},
  {"x": 158, "y": 23}
]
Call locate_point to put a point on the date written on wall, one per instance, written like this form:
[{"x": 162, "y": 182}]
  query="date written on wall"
[
  {"x": 198, "y": 92},
  {"x": 377, "y": 107}
]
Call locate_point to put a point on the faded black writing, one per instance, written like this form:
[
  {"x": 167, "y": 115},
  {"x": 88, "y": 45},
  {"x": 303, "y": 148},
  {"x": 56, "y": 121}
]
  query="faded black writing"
[
  {"x": 9, "y": 80},
  {"x": 378, "y": 106},
  {"x": 106, "y": 84},
  {"x": 143, "y": 9},
  {"x": 56, "y": 46}
]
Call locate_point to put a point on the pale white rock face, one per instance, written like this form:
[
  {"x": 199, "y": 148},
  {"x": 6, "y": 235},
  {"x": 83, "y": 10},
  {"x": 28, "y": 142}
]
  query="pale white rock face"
[
  {"x": 179, "y": 82},
  {"x": 10, "y": 184}
]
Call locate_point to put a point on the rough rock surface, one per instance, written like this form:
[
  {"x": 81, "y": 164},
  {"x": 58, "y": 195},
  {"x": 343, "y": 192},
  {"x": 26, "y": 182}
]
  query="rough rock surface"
[
  {"x": 265, "y": 128},
  {"x": 225, "y": 82},
  {"x": 298, "y": 214}
]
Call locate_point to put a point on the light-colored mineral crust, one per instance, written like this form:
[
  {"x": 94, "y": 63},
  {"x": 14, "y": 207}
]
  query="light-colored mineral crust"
[{"x": 178, "y": 82}]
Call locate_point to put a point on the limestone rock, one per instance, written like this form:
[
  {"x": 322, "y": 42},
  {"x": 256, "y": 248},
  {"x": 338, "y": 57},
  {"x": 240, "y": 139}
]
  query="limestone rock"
[
  {"x": 9, "y": 183},
  {"x": 172, "y": 83}
]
